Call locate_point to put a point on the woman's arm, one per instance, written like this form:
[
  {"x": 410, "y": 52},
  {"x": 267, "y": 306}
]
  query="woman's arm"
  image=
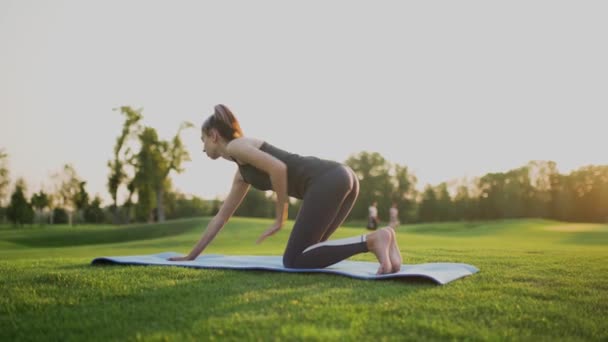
[
  {"x": 276, "y": 170},
  {"x": 232, "y": 202}
]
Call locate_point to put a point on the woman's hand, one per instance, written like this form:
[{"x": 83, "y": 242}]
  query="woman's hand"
[
  {"x": 270, "y": 231},
  {"x": 180, "y": 258}
]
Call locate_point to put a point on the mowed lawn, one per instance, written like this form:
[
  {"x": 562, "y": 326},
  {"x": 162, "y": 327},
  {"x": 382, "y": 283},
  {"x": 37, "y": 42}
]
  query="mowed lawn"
[{"x": 538, "y": 280}]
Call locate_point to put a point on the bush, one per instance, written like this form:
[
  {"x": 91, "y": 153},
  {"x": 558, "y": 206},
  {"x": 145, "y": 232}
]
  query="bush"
[
  {"x": 94, "y": 215},
  {"x": 60, "y": 216}
]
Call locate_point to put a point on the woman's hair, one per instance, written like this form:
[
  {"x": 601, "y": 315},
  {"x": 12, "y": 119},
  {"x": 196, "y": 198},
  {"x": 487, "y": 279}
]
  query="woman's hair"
[{"x": 224, "y": 122}]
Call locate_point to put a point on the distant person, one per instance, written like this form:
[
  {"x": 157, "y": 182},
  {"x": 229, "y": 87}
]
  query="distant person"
[
  {"x": 372, "y": 217},
  {"x": 393, "y": 213},
  {"x": 328, "y": 190}
]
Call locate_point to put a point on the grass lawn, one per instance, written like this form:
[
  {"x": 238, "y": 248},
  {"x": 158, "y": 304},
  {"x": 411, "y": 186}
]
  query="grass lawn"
[{"x": 538, "y": 280}]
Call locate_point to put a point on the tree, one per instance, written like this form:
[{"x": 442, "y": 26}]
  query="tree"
[
  {"x": 20, "y": 211},
  {"x": 68, "y": 185},
  {"x": 516, "y": 199},
  {"x": 375, "y": 183},
  {"x": 155, "y": 160},
  {"x": 562, "y": 197},
  {"x": 4, "y": 176},
  {"x": 179, "y": 205},
  {"x": 443, "y": 207},
  {"x": 148, "y": 172},
  {"x": 81, "y": 200},
  {"x": 464, "y": 204},
  {"x": 256, "y": 204},
  {"x": 40, "y": 201},
  {"x": 128, "y": 205},
  {"x": 428, "y": 205},
  {"x": 118, "y": 174},
  {"x": 405, "y": 193},
  {"x": 93, "y": 212},
  {"x": 60, "y": 216},
  {"x": 590, "y": 189},
  {"x": 542, "y": 174},
  {"x": 491, "y": 195},
  {"x": 4, "y": 182}
]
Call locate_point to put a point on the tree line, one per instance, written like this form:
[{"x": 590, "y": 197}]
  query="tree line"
[
  {"x": 142, "y": 164},
  {"x": 535, "y": 190}
]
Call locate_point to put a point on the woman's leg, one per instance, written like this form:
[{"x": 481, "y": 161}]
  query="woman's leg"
[
  {"x": 347, "y": 205},
  {"x": 326, "y": 204},
  {"x": 345, "y": 209}
]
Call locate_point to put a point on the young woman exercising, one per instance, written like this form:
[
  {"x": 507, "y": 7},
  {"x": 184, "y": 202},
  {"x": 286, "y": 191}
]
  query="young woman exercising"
[{"x": 327, "y": 189}]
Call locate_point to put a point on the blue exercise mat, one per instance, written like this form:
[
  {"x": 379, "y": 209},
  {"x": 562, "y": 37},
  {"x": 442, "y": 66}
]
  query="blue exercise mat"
[{"x": 440, "y": 273}]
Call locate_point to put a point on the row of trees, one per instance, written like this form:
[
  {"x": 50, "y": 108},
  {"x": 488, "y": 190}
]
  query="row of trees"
[
  {"x": 141, "y": 166},
  {"x": 142, "y": 163},
  {"x": 69, "y": 202},
  {"x": 534, "y": 190}
]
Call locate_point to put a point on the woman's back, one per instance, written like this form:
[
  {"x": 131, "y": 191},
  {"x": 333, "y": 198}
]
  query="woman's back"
[{"x": 300, "y": 170}]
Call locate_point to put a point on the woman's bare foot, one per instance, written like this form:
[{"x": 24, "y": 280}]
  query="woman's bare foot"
[
  {"x": 394, "y": 253},
  {"x": 379, "y": 243}
]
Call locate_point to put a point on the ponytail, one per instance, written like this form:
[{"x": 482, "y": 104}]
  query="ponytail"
[{"x": 224, "y": 122}]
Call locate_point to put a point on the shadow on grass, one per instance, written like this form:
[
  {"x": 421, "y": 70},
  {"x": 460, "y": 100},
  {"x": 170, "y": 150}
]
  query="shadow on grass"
[
  {"x": 96, "y": 236},
  {"x": 471, "y": 228},
  {"x": 595, "y": 238}
]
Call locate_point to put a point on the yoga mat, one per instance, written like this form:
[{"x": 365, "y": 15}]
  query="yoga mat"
[{"x": 441, "y": 273}]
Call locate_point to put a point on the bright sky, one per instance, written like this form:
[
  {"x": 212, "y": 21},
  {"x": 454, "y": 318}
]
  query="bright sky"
[{"x": 448, "y": 88}]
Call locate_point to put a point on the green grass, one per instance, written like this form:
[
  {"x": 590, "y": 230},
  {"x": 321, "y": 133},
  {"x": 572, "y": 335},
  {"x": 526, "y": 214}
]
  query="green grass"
[{"x": 539, "y": 280}]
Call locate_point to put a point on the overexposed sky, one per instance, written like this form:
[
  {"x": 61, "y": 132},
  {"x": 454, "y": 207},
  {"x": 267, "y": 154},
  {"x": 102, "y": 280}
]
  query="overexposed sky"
[{"x": 448, "y": 88}]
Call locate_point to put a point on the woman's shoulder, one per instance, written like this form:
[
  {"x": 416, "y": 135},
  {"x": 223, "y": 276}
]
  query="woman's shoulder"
[
  {"x": 237, "y": 146},
  {"x": 249, "y": 141}
]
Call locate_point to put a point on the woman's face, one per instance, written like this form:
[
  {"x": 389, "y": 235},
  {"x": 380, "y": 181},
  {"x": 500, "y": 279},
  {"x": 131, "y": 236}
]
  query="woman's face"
[{"x": 210, "y": 144}]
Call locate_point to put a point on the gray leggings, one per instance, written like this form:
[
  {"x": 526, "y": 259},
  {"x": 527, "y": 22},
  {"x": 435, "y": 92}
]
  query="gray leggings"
[{"x": 326, "y": 203}]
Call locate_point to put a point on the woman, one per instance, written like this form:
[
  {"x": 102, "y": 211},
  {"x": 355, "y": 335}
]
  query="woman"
[
  {"x": 372, "y": 216},
  {"x": 328, "y": 190},
  {"x": 394, "y": 216}
]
